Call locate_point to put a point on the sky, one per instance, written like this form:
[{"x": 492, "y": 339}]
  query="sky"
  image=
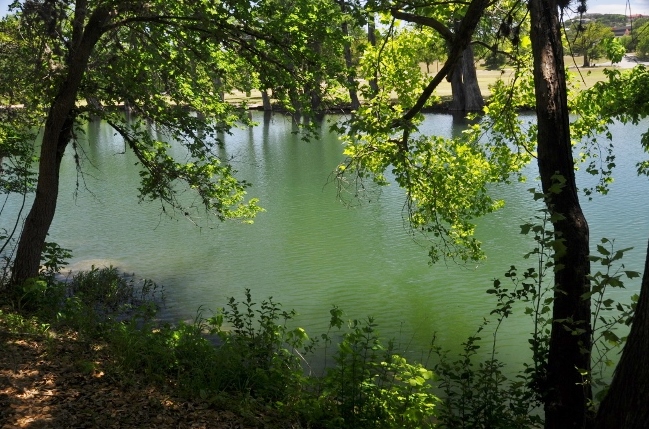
[
  {"x": 618, "y": 6},
  {"x": 594, "y": 6},
  {"x": 4, "y": 5}
]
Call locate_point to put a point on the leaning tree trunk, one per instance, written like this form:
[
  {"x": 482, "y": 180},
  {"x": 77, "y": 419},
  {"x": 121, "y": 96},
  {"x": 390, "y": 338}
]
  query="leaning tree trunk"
[
  {"x": 626, "y": 405},
  {"x": 56, "y": 136},
  {"x": 58, "y": 129},
  {"x": 568, "y": 392}
]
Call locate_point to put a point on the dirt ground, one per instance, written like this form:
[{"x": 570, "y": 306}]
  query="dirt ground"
[{"x": 60, "y": 383}]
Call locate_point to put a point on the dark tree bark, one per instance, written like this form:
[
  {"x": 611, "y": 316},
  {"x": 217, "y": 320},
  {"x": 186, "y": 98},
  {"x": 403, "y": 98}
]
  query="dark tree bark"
[
  {"x": 626, "y": 405},
  {"x": 265, "y": 99},
  {"x": 371, "y": 39},
  {"x": 351, "y": 80},
  {"x": 56, "y": 136},
  {"x": 218, "y": 86},
  {"x": 473, "y": 95},
  {"x": 567, "y": 396},
  {"x": 313, "y": 90},
  {"x": 457, "y": 88},
  {"x": 464, "y": 84}
]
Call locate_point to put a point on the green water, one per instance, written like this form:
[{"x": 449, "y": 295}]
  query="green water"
[{"x": 310, "y": 251}]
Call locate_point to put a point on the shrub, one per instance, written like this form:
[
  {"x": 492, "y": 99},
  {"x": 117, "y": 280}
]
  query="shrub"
[
  {"x": 91, "y": 299},
  {"x": 371, "y": 386}
]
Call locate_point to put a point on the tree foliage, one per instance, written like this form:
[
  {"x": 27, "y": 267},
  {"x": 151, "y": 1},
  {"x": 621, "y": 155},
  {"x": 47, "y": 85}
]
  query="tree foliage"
[
  {"x": 166, "y": 62},
  {"x": 445, "y": 180},
  {"x": 614, "y": 49},
  {"x": 641, "y": 36},
  {"x": 588, "y": 40}
]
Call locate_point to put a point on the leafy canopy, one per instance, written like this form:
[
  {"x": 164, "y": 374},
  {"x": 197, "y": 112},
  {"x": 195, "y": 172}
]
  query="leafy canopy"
[
  {"x": 169, "y": 62},
  {"x": 446, "y": 180}
]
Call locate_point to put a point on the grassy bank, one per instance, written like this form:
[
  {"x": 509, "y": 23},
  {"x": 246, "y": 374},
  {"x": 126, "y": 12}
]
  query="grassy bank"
[
  {"x": 89, "y": 353},
  {"x": 587, "y": 76}
]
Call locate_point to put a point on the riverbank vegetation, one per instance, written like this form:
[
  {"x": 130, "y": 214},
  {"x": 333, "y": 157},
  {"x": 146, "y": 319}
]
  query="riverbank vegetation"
[
  {"x": 243, "y": 365},
  {"x": 171, "y": 64}
]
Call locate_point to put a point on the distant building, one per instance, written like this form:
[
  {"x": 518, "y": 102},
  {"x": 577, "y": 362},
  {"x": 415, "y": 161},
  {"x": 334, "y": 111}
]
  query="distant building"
[{"x": 622, "y": 31}]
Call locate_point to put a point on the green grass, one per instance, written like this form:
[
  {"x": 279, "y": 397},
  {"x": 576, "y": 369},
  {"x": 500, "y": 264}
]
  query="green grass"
[{"x": 590, "y": 76}]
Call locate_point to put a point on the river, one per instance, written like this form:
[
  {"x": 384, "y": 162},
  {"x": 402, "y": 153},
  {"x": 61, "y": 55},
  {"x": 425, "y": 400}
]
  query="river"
[{"x": 309, "y": 251}]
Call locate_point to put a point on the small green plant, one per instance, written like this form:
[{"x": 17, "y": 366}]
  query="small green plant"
[
  {"x": 20, "y": 324},
  {"x": 34, "y": 291},
  {"x": 38, "y": 292},
  {"x": 111, "y": 293},
  {"x": 259, "y": 352},
  {"x": 250, "y": 353},
  {"x": 370, "y": 385},
  {"x": 477, "y": 394},
  {"x": 53, "y": 259},
  {"x": 90, "y": 300},
  {"x": 608, "y": 314}
]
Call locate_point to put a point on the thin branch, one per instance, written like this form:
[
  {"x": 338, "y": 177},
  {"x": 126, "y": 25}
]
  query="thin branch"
[{"x": 493, "y": 49}]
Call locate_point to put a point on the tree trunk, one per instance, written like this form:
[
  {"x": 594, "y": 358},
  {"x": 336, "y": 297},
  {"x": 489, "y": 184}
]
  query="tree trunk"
[
  {"x": 314, "y": 88},
  {"x": 218, "y": 86},
  {"x": 457, "y": 88},
  {"x": 351, "y": 80},
  {"x": 464, "y": 84},
  {"x": 626, "y": 405},
  {"x": 472, "y": 95},
  {"x": 265, "y": 99},
  {"x": 56, "y": 136},
  {"x": 371, "y": 38},
  {"x": 586, "y": 60},
  {"x": 568, "y": 393}
]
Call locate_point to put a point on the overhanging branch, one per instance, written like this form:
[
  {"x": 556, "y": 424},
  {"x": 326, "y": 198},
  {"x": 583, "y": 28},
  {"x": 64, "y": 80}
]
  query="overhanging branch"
[
  {"x": 461, "y": 41},
  {"x": 425, "y": 21}
]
